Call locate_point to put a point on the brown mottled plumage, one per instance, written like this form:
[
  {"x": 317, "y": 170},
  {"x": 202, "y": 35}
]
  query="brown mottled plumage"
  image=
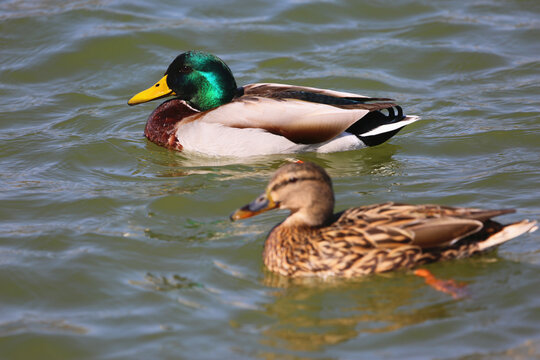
[{"x": 313, "y": 241}]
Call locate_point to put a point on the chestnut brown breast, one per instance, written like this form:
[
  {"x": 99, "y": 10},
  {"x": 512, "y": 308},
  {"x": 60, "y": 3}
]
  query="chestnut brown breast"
[{"x": 161, "y": 125}]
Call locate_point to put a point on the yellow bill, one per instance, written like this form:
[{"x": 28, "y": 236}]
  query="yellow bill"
[{"x": 158, "y": 90}]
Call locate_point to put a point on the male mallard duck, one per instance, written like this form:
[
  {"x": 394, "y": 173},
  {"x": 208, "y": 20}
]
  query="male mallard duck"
[
  {"x": 313, "y": 241},
  {"x": 211, "y": 115}
]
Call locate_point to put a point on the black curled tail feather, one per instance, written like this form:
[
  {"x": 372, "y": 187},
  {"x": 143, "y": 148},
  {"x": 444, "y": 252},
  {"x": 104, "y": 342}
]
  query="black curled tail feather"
[{"x": 375, "y": 119}]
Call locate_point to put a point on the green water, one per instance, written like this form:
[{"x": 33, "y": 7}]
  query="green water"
[{"x": 114, "y": 248}]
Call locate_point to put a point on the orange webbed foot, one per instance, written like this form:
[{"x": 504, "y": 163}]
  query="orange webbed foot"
[{"x": 456, "y": 290}]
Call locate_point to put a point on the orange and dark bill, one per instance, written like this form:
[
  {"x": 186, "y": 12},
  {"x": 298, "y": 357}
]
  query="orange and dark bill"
[{"x": 261, "y": 204}]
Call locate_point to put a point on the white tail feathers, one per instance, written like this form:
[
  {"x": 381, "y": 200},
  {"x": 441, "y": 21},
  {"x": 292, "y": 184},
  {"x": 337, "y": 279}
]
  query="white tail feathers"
[
  {"x": 393, "y": 126},
  {"x": 508, "y": 232}
]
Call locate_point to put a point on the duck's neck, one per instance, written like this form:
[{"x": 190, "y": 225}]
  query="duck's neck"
[
  {"x": 308, "y": 218},
  {"x": 213, "y": 90}
]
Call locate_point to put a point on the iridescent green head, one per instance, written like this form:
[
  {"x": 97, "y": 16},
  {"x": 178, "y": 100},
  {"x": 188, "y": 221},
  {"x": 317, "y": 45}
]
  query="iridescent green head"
[{"x": 201, "y": 79}]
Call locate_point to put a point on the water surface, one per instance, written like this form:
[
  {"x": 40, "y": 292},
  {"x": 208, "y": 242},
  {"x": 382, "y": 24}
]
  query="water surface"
[{"x": 112, "y": 247}]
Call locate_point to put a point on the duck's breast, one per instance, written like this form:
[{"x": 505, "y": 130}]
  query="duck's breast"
[{"x": 162, "y": 122}]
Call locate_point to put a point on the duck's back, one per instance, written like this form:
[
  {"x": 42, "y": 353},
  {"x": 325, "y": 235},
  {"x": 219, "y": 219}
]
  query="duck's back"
[{"x": 384, "y": 237}]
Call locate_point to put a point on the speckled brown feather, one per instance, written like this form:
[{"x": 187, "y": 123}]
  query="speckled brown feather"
[{"x": 368, "y": 239}]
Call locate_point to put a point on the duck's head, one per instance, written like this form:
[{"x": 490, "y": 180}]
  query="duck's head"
[
  {"x": 200, "y": 78},
  {"x": 303, "y": 188}
]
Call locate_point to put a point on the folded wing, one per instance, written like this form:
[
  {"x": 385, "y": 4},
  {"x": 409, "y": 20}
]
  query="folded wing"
[{"x": 306, "y": 115}]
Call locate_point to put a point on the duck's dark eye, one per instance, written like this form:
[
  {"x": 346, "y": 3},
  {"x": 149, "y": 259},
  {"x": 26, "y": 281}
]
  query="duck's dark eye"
[
  {"x": 293, "y": 180},
  {"x": 184, "y": 69}
]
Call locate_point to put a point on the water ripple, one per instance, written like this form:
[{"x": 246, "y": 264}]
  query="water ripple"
[{"x": 112, "y": 247}]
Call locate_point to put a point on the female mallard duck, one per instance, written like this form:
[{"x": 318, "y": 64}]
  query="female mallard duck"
[
  {"x": 211, "y": 115},
  {"x": 313, "y": 241}
]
